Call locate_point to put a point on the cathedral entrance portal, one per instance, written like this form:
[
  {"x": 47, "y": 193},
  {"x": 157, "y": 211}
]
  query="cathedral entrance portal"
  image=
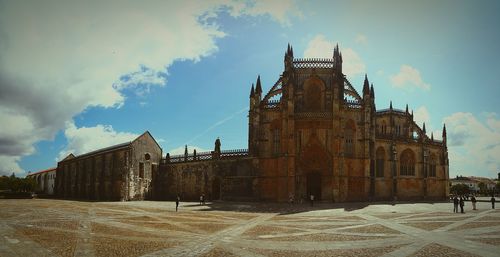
[{"x": 314, "y": 185}]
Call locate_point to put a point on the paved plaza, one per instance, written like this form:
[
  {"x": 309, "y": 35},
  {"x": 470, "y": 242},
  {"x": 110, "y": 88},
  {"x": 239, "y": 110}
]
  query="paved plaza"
[{"x": 44, "y": 227}]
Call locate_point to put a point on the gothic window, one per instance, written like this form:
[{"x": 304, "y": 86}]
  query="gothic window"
[
  {"x": 147, "y": 156},
  {"x": 380, "y": 156},
  {"x": 432, "y": 166},
  {"x": 407, "y": 163},
  {"x": 276, "y": 141},
  {"x": 314, "y": 94},
  {"x": 299, "y": 141},
  {"x": 383, "y": 127},
  {"x": 327, "y": 140},
  {"x": 349, "y": 139},
  {"x": 141, "y": 169}
]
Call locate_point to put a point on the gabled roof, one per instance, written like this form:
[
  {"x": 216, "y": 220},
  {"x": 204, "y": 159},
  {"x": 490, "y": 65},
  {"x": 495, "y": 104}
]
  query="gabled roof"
[
  {"x": 111, "y": 148},
  {"x": 42, "y": 171}
]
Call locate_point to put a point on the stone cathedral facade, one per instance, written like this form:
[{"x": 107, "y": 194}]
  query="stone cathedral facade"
[{"x": 312, "y": 133}]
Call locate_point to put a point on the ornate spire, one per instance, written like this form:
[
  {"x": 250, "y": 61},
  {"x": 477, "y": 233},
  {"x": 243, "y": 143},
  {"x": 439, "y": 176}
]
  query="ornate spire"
[
  {"x": 390, "y": 106},
  {"x": 406, "y": 108},
  {"x": 291, "y": 51},
  {"x": 252, "y": 91},
  {"x": 372, "y": 92},
  {"x": 423, "y": 129},
  {"x": 366, "y": 86},
  {"x": 258, "y": 89},
  {"x": 444, "y": 131},
  {"x": 432, "y": 136},
  {"x": 185, "y": 150}
]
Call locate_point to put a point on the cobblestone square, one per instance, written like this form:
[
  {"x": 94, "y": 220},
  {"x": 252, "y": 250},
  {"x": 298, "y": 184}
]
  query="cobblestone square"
[{"x": 44, "y": 227}]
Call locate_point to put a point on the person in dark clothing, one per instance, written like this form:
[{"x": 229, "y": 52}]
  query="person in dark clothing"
[
  {"x": 492, "y": 202},
  {"x": 462, "y": 205},
  {"x": 312, "y": 199},
  {"x": 455, "y": 204},
  {"x": 473, "y": 200},
  {"x": 177, "y": 200}
]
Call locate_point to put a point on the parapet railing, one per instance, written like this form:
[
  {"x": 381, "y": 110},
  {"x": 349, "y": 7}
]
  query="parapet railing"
[
  {"x": 313, "y": 115},
  {"x": 271, "y": 104},
  {"x": 354, "y": 104},
  {"x": 205, "y": 156},
  {"x": 313, "y": 63}
]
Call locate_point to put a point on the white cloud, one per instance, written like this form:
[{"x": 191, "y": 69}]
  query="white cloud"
[
  {"x": 421, "y": 115},
  {"x": 320, "y": 47},
  {"x": 180, "y": 150},
  {"x": 58, "y": 58},
  {"x": 473, "y": 146},
  {"x": 408, "y": 77},
  {"x": 87, "y": 139},
  {"x": 361, "y": 39}
]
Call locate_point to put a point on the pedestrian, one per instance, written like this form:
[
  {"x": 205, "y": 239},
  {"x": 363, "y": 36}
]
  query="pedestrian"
[
  {"x": 311, "y": 197},
  {"x": 201, "y": 199},
  {"x": 492, "y": 202},
  {"x": 291, "y": 199},
  {"x": 462, "y": 204},
  {"x": 473, "y": 200},
  {"x": 455, "y": 204},
  {"x": 177, "y": 200}
]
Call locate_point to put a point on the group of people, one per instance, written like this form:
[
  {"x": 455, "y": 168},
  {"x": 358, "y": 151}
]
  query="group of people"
[{"x": 460, "y": 201}]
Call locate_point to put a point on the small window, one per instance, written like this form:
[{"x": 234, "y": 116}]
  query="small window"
[
  {"x": 147, "y": 157},
  {"x": 141, "y": 170}
]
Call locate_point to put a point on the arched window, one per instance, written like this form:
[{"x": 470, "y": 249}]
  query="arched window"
[
  {"x": 276, "y": 141},
  {"x": 314, "y": 94},
  {"x": 432, "y": 166},
  {"x": 380, "y": 156},
  {"x": 407, "y": 163},
  {"x": 383, "y": 127},
  {"x": 349, "y": 139}
]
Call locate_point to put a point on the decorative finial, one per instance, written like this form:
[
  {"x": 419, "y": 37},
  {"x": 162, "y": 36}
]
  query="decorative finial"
[
  {"x": 258, "y": 89},
  {"x": 390, "y": 105}
]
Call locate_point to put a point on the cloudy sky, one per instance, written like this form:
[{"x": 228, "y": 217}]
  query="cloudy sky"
[{"x": 80, "y": 75}]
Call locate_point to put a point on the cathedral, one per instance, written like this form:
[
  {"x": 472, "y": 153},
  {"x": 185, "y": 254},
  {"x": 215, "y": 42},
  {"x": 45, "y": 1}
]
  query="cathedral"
[{"x": 312, "y": 133}]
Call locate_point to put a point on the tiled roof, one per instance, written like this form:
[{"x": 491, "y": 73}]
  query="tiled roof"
[{"x": 42, "y": 171}]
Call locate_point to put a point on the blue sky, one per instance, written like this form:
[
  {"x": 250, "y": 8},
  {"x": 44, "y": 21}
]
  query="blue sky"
[{"x": 75, "y": 77}]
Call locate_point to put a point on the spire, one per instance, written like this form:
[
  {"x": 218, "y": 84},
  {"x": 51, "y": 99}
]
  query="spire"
[
  {"x": 258, "y": 88},
  {"x": 291, "y": 51},
  {"x": 366, "y": 86},
  {"x": 432, "y": 136},
  {"x": 423, "y": 129},
  {"x": 406, "y": 108},
  {"x": 411, "y": 113},
  {"x": 372, "y": 92},
  {"x": 185, "y": 150},
  {"x": 390, "y": 106},
  {"x": 444, "y": 131},
  {"x": 252, "y": 91},
  {"x": 288, "y": 49}
]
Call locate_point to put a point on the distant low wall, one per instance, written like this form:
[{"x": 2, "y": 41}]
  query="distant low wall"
[{"x": 225, "y": 179}]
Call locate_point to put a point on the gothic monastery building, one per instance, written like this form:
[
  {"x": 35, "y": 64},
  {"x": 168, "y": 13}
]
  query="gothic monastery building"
[{"x": 312, "y": 133}]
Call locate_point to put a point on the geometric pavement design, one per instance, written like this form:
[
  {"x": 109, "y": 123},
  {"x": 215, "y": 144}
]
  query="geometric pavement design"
[{"x": 45, "y": 227}]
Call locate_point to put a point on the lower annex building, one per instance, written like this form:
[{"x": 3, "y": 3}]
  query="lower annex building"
[{"x": 311, "y": 133}]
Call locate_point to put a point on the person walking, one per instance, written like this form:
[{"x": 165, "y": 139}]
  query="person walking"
[
  {"x": 492, "y": 202},
  {"x": 455, "y": 204},
  {"x": 311, "y": 197},
  {"x": 473, "y": 200},
  {"x": 462, "y": 204},
  {"x": 177, "y": 200},
  {"x": 201, "y": 199}
]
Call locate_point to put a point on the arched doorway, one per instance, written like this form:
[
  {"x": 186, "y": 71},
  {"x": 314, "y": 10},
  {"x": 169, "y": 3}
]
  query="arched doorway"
[
  {"x": 216, "y": 189},
  {"x": 314, "y": 185}
]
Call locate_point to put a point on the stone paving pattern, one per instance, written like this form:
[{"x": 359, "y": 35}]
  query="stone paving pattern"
[{"x": 44, "y": 227}]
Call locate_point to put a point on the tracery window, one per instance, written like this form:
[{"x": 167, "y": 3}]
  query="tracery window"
[
  {"x": 349, "y": 139},
  {"x": 407, "y": 163},
  {"x": 379, "y": 163},
  {"x": 276, "y": 141},
  {"x": 432, "y": 166}
]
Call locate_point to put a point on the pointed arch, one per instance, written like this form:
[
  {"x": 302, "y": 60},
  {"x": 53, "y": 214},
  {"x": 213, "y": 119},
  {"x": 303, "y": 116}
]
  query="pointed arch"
[
  {"x": 432, "y": 165},
  {"x": 314, "y": 94},
  {"x": 407, "y": 163},
  {"x": 349, "y": 136},
  {"x": 380, "y": 162}
]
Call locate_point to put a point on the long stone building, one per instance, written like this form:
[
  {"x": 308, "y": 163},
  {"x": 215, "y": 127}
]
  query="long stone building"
[
  {"x": 312, "y": 133},
  {"x": 120, "y": 172}
]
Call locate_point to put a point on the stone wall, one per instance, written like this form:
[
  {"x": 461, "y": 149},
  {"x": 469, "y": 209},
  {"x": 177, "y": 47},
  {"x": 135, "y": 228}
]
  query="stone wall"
[{"x": 232, "y": 179}]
